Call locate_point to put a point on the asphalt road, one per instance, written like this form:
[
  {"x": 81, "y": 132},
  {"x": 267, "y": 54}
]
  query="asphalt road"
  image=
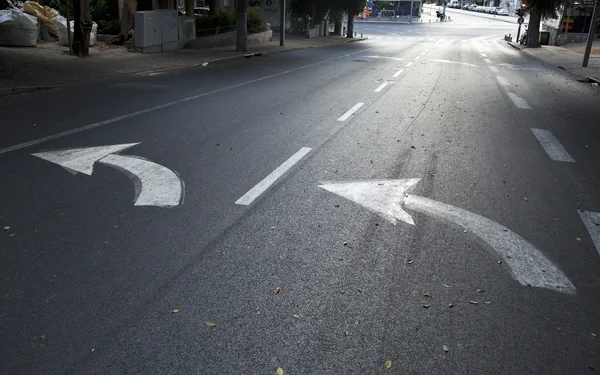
[{"x": 464, "y": 249}]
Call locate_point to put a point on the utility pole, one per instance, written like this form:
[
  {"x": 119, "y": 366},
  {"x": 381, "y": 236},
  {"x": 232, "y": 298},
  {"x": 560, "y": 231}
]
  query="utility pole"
[
  {"x": 81, "y": 29},
  {"x": 282, "y": 23},
  {"x": 591, "y": 33},
  {"x": 412, "y": 2}
]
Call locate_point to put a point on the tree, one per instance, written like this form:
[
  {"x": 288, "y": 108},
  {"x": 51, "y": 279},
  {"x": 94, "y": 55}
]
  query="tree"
[
  {"x": 539, "y": 9},
  {"x": 241, "y": 27},
  {"x": 82, "y": 26},
  {"x": 215, "y": 6},
  {"x": 129, "y": 8}
]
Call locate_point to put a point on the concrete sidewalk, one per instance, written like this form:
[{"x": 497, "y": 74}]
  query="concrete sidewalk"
[
  {"x": 568, "y": 58},
  {"x": 49, "y": 65}
]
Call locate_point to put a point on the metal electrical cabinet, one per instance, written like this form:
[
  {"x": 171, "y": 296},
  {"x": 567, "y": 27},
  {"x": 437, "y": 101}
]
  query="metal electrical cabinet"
[
  {"x": 156, "y": 31},
  {"x": 148, "y": 32}
]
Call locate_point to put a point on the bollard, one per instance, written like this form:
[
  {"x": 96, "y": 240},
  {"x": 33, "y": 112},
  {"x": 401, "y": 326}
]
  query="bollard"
[
  {"x": 361, "y": 35},
  {"x": 355, "y": 33},
  {"x": 344, "y": 31}
]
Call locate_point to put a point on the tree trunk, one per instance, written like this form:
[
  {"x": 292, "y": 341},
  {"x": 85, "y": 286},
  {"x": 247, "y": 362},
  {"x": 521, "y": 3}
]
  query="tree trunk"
[
  {"x": 533, "y": 32},
  {"x": 129, "y": 7},
  {"x": 337, "y": 28},
  {"x": 241, "y": 27},
  {"x": 350, "y": 31},
  {"x": 215, "y": 6},
  {"x": 189, "y": 8},
  {"x": 81, "y": 28}
]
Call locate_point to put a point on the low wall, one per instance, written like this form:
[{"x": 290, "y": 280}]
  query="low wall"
[
  {"x": 566, "y": 38},
  {"x": 228, "y": 39}
]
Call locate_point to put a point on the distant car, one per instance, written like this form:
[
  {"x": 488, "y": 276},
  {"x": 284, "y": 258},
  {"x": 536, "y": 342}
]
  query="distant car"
[
  {"x": 466, "y": 6},
  {"x": 473, "y": 7},
  {"x": 503, "y": 12},
  {"x": 201, "y": 11}
]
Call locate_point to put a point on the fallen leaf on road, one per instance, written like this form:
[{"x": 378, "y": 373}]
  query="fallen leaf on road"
[
  {"x": 426, "y": 306},
  {"x": 499, "y": 262},
  {"x": 356, "y": 322},
  {"x": 345, "y": 244},
  {"x": 446, "y": 285},
  {"x": 593, "y": 334},
  {"x": 480, "y": 290},
  {"x": 176, "y": 310},
  {"x": 428, "y": 293},
  {"x": 388, "y": 364},
  {"x": 409, "y": 261},
  {"x": 93, "y": 350},
  {"x": 296, "y": 316},
  {"x": 465, "y": 231},
  {"x": 555, "y": 218},
  {"x": 473, "y": 302},
  {"x": 273, "y": 228},
  {"x": 445, "y": 348},
  {"x": 487, "y": 302},
  {"x": 6, "y": 228},
  {"x": 276, "y": 290},
  {"x": 42, "y": 337},
  {"x": 346, "y": 333},
  {"x": 451, "y": 304},
  {"x": 279, "y": 371},
  {"x": 210, "y": 324},
  {"x": 578, "y": 239},
  {"x": 526, "y": 199}
]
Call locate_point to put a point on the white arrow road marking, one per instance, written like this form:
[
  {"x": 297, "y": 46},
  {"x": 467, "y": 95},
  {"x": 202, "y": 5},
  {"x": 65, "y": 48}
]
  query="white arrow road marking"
[
  {"x": 528, "y": 265},
  {"x": 592, "y": 223},
  {"x": 81, "y": 160},
  {"x": 385, "y": 197},
  {"x": 155, "y": 185},
  {"x": 552, "y": 146}
]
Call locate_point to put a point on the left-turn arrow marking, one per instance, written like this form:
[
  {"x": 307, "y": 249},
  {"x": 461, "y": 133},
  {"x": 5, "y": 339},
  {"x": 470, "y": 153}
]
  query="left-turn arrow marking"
[{"x": 155, "y": 185}]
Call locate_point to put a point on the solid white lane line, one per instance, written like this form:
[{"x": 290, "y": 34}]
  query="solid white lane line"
[
  {"x": 519, "y": 102},
  {"x": 382, "y": 86},
  {"x": 552, "y": 146},
  {"x": 350, "y": 112},
  {"x": 494, "y": 69},
  {"x": 503, "y": 81},
  {"x": 385, "y": 57},
  {"x": 418, "y": 57},
  {"x": 483, "y": 55},
  {"x": 592, "y": 223},
  {"x": 169, "y": 104},
  {"x": 260, "y": 188},
  {"x": 409, "y": 64},
  {"x": 487, "y": 61},
  {"x": 400, "y": 71}
]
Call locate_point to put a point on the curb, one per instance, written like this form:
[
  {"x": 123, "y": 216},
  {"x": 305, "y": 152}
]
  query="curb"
[{"x": 9, "y": 91}]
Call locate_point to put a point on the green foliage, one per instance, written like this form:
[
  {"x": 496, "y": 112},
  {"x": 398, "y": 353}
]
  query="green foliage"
[
  {"x": 545, "y": 8},
  {"x": 215, "y": 24},
  {"x": 109, "y": 27},
  {"x": 257, "y": 22}
]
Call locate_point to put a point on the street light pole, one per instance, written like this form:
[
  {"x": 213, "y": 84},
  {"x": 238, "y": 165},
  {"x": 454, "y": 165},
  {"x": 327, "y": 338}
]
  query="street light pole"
[
  {"x": 282, "y": 23},
  {"x": 590, "y": 40},
  {"x": 412, "y": 2}
]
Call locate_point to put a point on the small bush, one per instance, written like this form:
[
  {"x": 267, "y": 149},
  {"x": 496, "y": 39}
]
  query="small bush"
[
  {"x": 215, "y": 24},
  {"x": 109, "y": 27},
  {"x": 257, "y": 21}
]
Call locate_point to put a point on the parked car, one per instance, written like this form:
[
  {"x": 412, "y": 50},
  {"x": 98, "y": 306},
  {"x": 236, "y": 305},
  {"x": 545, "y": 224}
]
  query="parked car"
[
  {"x": 466, "y": 6},
  {"x": 201, "y": 11},
  {"x": 503, "y": 12},
  {"x": 473, "y": 7}
]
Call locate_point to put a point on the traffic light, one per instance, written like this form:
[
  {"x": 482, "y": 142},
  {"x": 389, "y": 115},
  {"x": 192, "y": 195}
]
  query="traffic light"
[
  {"x": 523, "y": 5},
  {"x": 519, "y": 12}
]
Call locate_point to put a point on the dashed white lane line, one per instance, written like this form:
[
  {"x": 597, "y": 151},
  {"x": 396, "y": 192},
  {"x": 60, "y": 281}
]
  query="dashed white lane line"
[
  {"x": 483, "y": 55},
  {"x": 494, "y": 69},
  {"x": 552, "y": 146},
  {"x": 382, "y": 86},
  {"x": 262, "y": 186},
  {"x": 519, "y": 102},
  {"x": 409, "y": 64},
  {"x": 350, "y": 112},
  {"x": 400, "y": 71},
  {"x": 503, "y": 81},
  {"x": 592, "y": 223},
  {"x": 418, "y": 57},
  {"x": 487, "y": 61}
]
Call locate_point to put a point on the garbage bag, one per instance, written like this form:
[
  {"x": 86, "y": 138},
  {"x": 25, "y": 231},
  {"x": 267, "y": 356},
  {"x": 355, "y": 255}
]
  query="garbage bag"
[
  {"x": 18, "y": 29},
  {"x": 63, "y": 38},
  {"x": 46, "y": 14}
]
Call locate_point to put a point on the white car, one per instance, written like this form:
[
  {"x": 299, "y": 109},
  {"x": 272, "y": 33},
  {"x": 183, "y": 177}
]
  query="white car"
[{"x": 503, "y": 12}]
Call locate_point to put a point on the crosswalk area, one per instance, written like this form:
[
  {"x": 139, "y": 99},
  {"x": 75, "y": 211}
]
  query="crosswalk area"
[{"x": 484, "y": 40}]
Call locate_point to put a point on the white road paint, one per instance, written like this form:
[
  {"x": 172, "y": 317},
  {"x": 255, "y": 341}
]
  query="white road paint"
[
  {"x": 262, "y": 186},
  {"x": 503, "y": 81},
  {"x": 169, "y": 104},
  {"x": 382, "y": 86},
  {"x": 155, "y": 185},
  {"x": 519, "y": 102},
  {"x": 454, "y": 62},
  {"x": 350, "y": 112},
  {"x": 527, "y": 264},
  {"x": 81, "y": 160},
  {"x": 552, "y": 146},
  {"x": 400, "y": 71},
  {"x": 483, "y": 55},
  {"x": 592, "y": 223},
  {"x": 383, "y": 197},
  {"x": 487, "y": 61},
  {"x": 385, "y": 57},
  {"x": 494, "y": 69},
  {"x": 416, "y": 58},
  {"x": 409, "y": 64}
]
